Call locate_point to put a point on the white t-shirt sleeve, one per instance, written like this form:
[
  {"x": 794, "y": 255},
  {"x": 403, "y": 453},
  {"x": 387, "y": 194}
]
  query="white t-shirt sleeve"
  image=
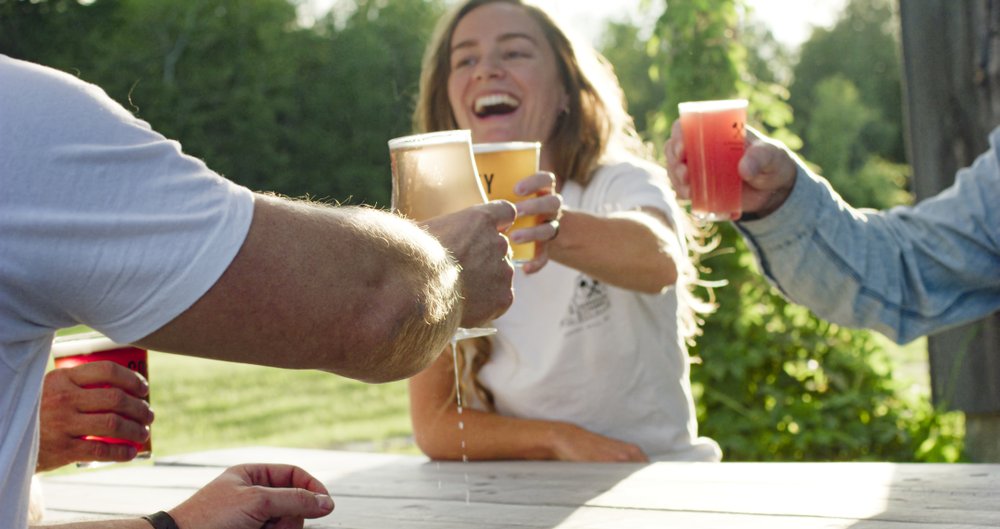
[
  {"x": 103, "y": 221},
  {"x": 630, "y": 185}
]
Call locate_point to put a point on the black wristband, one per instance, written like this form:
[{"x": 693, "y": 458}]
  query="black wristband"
[{"x": 161, "y": 520}]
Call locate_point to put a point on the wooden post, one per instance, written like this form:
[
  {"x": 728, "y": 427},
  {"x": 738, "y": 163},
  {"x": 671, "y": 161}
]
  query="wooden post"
[{"x": 951, "y": 68}]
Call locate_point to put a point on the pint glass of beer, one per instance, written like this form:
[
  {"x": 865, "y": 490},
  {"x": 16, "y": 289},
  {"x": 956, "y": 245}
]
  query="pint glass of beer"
[
  {"x": 501, "y": 166},
  {"x": 73, "y": 350},
  {"x": 434, "y": 174},
  {"x": 714, "y": 139}
]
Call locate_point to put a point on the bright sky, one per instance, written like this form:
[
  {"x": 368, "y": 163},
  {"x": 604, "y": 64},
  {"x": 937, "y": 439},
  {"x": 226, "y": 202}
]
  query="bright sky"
[{"x": 791, "y": 21}]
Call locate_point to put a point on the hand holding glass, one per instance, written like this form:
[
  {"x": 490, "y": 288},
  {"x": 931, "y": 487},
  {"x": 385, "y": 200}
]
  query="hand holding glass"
[
  {"x": 435, "y": 174},
  {"x": 73, "y": 350},
  {"x": 501, "y": 166},
  {"x": 714, "y": 139}
]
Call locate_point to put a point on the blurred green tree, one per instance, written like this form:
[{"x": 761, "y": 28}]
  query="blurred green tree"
[
  {"x": 264, "y": 101},
  {"x": 626, "y": 49},
  {"x": 307, "y": 111},
  {"x": 367, "y": 91},
  {"x": 54, "y": 29},
  {"x": 847, "y": 97},
  {"x": 777, "y": 383},
  {"x": 835, "y": 134}
]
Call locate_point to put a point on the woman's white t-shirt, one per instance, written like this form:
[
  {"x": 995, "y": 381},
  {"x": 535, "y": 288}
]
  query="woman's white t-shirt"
[{"x": 608, "y": 359}]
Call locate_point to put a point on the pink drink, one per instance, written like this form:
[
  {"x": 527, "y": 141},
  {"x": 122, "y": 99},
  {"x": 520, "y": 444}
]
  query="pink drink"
[
  {"x": 73, "y": 350},
  {"x": 714, "y": 139}
]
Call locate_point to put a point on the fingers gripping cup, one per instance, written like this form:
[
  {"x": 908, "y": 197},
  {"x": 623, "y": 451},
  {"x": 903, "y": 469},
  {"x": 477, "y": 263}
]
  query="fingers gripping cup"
[
  {"x": 73, "y": 350},
  {"x": 435, "y": 174},
  {"x": 714, "y": 140},
  {"x": 501, "y": 166}
]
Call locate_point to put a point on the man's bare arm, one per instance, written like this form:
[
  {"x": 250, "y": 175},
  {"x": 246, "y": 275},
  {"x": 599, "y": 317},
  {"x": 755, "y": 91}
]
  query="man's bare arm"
[{"x": 349, "y": 290}]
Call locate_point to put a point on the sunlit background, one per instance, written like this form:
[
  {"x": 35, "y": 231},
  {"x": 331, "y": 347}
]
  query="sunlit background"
[
  {"x": 280, "y": 97},
  {"x": 791, "y": 21}
]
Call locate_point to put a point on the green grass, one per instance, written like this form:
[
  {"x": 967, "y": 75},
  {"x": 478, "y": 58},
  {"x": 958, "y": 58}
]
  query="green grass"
[{"x": 205, "y": 404}]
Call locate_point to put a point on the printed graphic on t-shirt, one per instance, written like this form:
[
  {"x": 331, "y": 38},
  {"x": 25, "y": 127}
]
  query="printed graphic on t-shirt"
[{"x": 590, "y": 304}]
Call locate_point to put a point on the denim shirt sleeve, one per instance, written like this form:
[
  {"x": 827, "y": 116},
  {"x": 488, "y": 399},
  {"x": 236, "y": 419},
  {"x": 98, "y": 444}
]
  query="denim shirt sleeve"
[{"x": 905, "y": 272}]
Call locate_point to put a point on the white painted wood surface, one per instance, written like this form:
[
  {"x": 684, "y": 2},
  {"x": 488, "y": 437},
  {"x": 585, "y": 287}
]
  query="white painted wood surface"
[{"x": 392, "y": 491}]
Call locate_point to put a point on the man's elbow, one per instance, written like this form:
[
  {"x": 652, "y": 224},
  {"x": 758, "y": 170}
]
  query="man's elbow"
[{"x": 409, "y": 334}]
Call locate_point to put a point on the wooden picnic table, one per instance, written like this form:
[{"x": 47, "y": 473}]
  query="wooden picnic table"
[{"x": 374, "y": 490}]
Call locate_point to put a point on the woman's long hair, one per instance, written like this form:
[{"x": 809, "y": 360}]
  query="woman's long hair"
[{"x": 594, "y": 128}]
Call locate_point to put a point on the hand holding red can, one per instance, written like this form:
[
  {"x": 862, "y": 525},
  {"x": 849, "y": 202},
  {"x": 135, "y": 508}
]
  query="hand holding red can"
[{"x": 95, "y": 404}]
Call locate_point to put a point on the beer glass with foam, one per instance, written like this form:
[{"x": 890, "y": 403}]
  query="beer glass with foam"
[
  {"x": 714, "y": 140},
  {"x": 501, "y": 166},
  {"x": 435, "y": 174}
]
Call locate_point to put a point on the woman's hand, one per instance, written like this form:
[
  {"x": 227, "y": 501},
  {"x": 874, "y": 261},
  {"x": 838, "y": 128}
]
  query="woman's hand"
[
  {"x": 547, "y": 204},
  {"x": 573, "y": 443},
  {"x": 255, "y": 496}
]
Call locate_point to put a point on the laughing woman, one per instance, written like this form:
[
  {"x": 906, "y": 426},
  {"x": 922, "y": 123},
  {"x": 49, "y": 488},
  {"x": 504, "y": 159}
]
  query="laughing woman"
[{"x": 590, "y": 362}]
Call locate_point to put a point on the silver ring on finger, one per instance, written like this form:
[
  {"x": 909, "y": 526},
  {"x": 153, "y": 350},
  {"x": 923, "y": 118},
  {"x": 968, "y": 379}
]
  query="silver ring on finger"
[{"x": 555, "y": 226}]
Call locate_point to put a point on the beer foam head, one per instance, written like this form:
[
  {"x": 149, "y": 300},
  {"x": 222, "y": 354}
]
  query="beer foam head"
[
  {"x": 711, "y": 106},
  {"x": 431, "y": 138},
  {"x": 81, "y": 344},
  {"x": 483, "y": 148}
]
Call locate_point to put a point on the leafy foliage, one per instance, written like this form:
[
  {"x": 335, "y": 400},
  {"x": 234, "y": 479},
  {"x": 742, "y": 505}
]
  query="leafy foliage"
[
  {"x": 835, "y": 134},
  {"x": 867, "y": 29},
  {"x": 205, "y": 404},
  {"x": 625, "y": 48},
  {"x": 298, "y": 110},
  {"x": 777, "y": 383},
  {"x": 267, "y": 103},
  {"x": 699, "y": 49},
  {"x": 849, "y": 111},
  {"x": 699, "y": 57}
]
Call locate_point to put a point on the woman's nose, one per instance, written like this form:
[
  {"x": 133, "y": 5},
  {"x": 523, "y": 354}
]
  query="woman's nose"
[{"x": 489, "y": 68}]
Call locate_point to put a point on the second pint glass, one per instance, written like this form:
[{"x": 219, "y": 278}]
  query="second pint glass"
[
  {"x": 714, "y": 137},
  {"x": 501, "y": 166}
]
